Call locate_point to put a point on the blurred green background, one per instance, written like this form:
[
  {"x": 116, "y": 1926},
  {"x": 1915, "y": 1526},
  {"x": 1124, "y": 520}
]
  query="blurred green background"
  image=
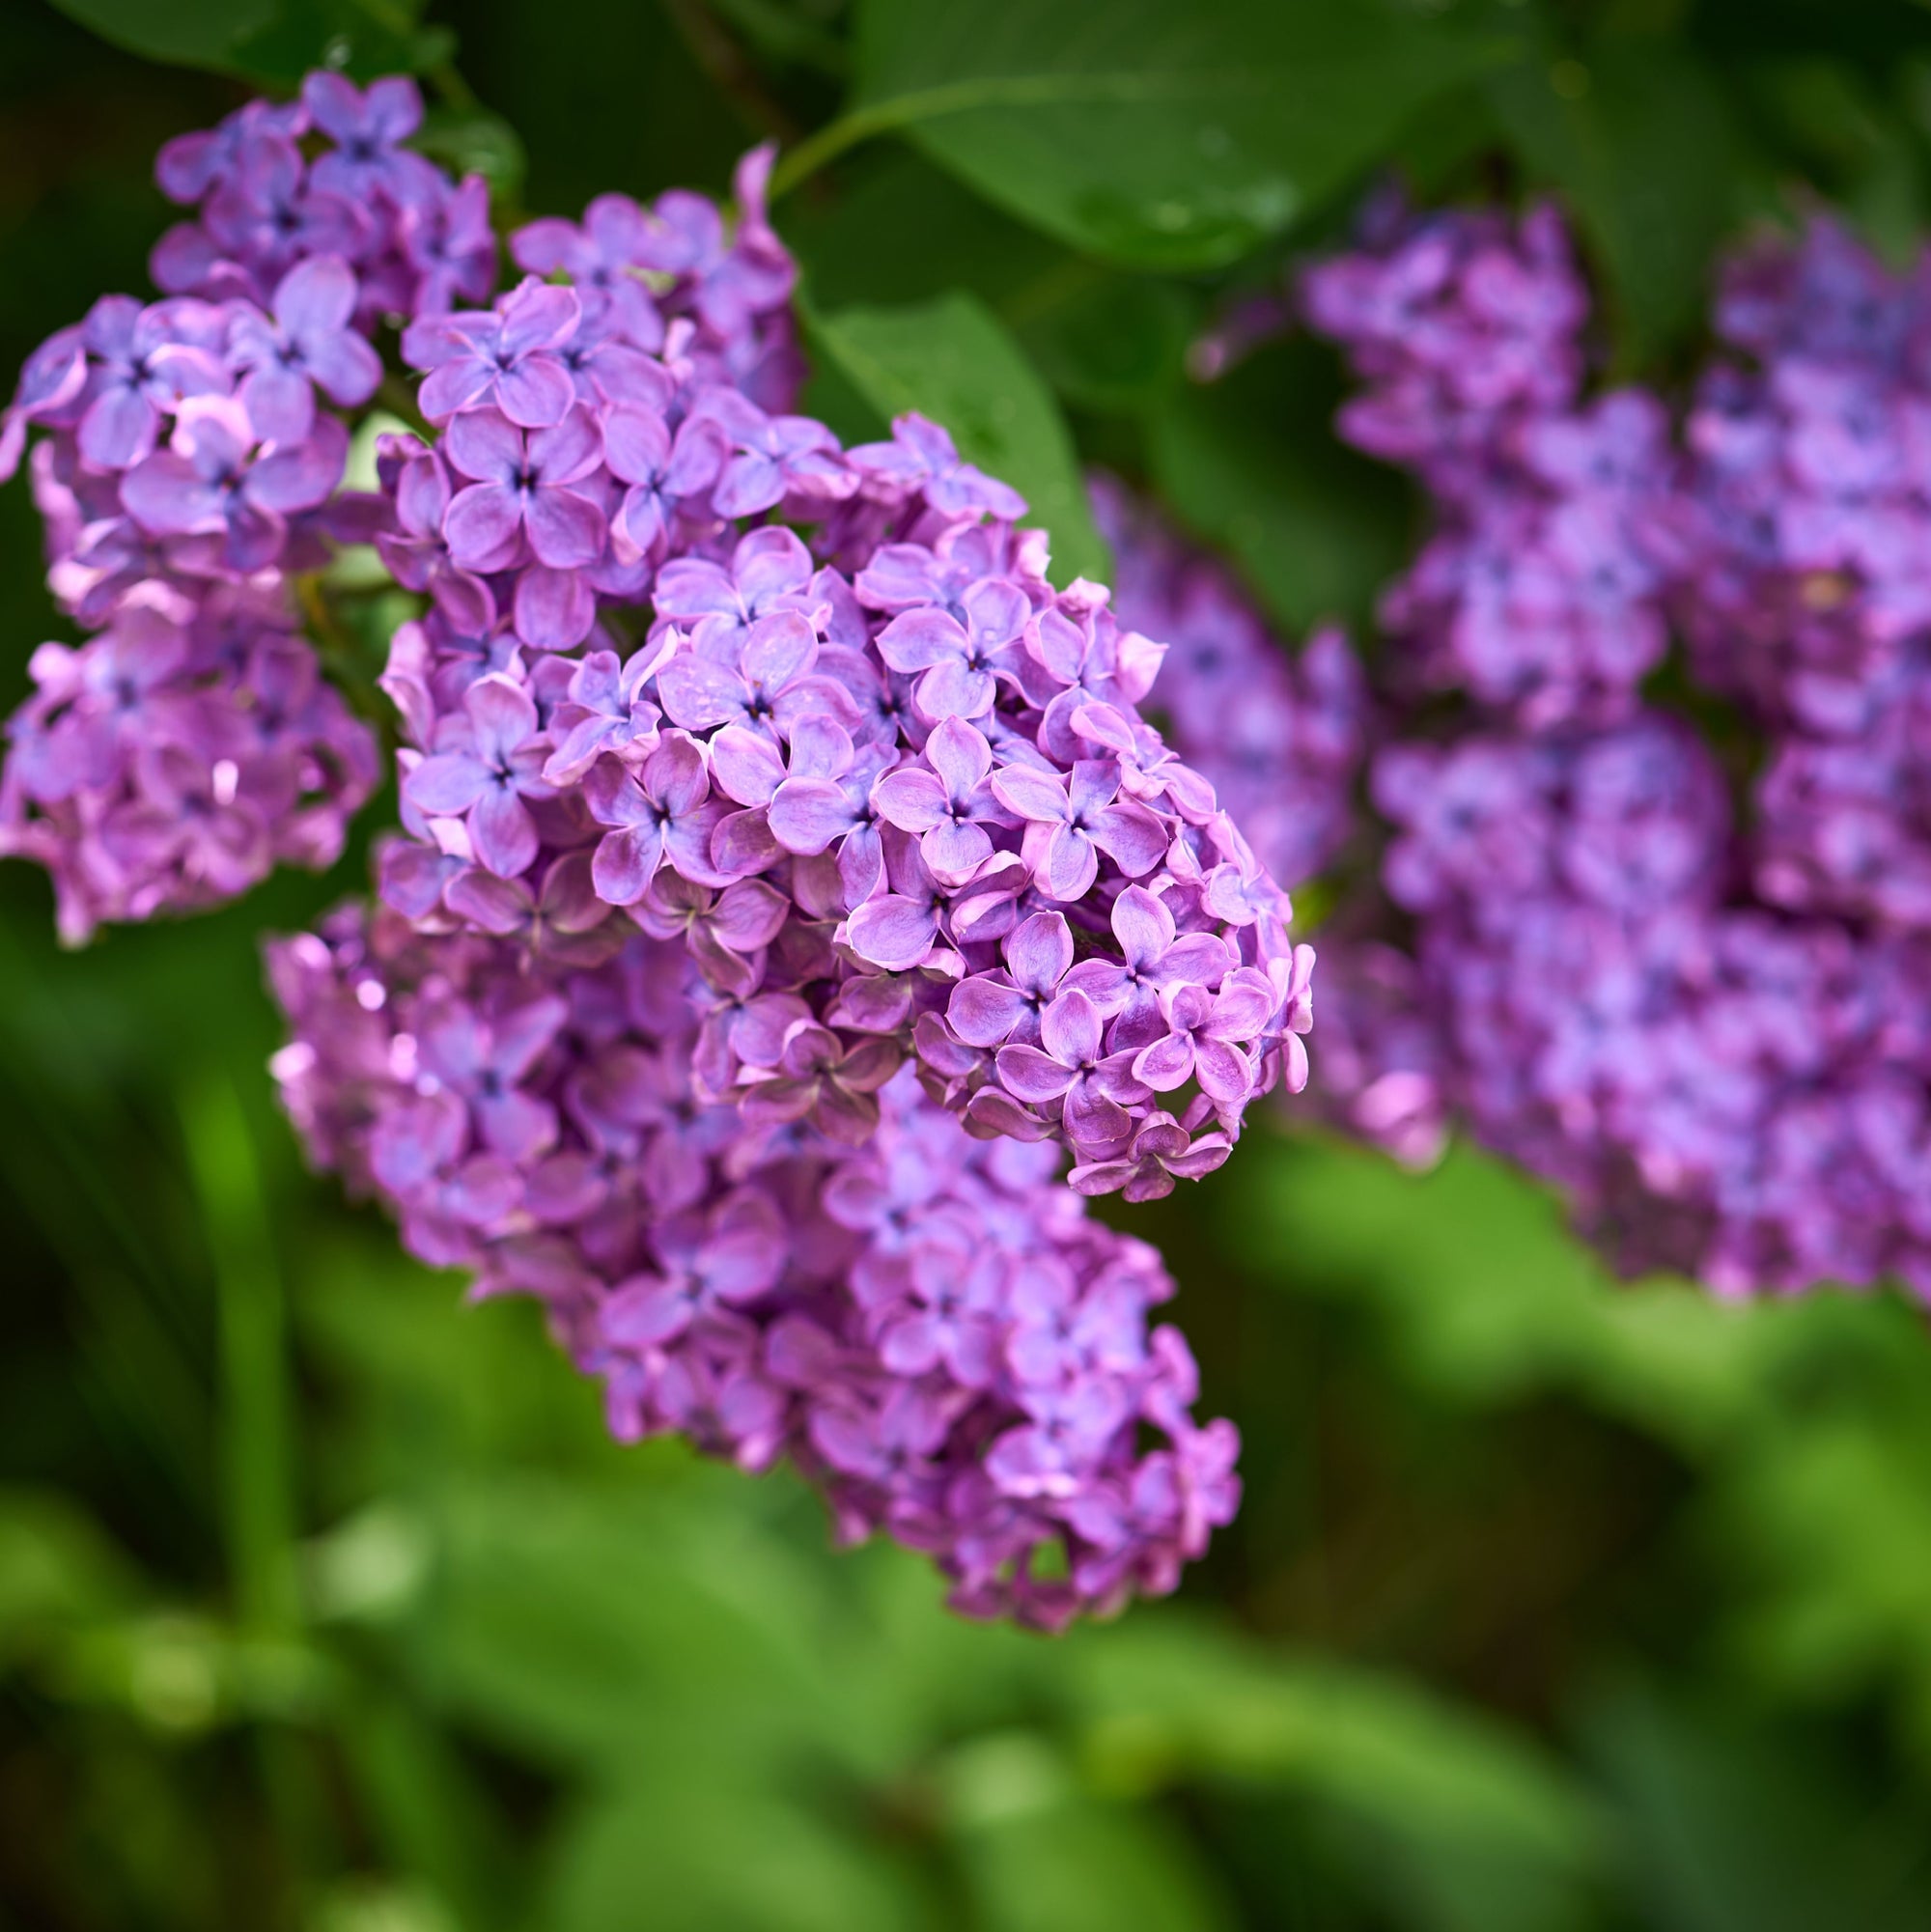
[{"x": 325, "y": 1602}]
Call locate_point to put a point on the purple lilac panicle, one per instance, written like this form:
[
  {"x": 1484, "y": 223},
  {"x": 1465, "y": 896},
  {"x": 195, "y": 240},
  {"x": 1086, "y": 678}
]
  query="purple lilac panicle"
[
  {"x": 820, "y": 716},
  {"x": 1702, "y": 1031},
  {"x": 931, "y": 1329}
]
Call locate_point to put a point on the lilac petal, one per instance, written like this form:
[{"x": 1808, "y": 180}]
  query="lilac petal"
[
  {"x": 118, "y": 429},
  {"x": 554, "y": 609},
  {"x": 288, "y": 479},
  {"x": 536, "y": 393},
  {"x": 280, "y": 404},
  {"x": 912, "y": 799},
  {"x": 347, "y": 368},
  {"x": 636, "y": 443},
  {"x": 749, "y": 915},
  {"x": 1168, "y": 1063},
  {"x": 624, "y": 863},
  {"x": 1032, "y": 795},
  {"x": 1132, "y": 837},
  {"x": 1032, "y": 1076},
  {"x": 1038, "y": 951},
  {"x": 954, "y": 690},
  {"x": 985, "y": 1013},
  {"x": 485, "y": 444},
  {"x": 808, "y": 814},
  {"x": 892, "y": 932},
  {"x": 500, "y": 906},
  {"x": 745, "y": 765},
  {"x": 1142, "y": 925},
  {"x": 700, "y": 694},
  {"x": 955, "y": 852},
  {"x": 959, "y": 753},
  {"x": 1069, "y": 1028},
  {"x": 483, "y": 526},
  {"x": 503, "y": 833},
  {"x": 567, "y": 531},
  {"x": 1070, "y": 865},
  {"x": 316, "y": 296},
  {"x": 916, "y": 640},
  {"x": 448, "y": 783},
  {"x": 164, "y": 493}
]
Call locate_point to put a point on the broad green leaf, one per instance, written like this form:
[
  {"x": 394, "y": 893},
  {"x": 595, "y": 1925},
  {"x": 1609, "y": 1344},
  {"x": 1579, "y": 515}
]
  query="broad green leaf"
[
  {"x": 271, "y": 41},
  {"x": 1251, "y": 463},
  {"x": 1159, "y": 136},
  {"x": 1644, "y": 148},
  {"x": 953, "y": 360},
  {"x": 188, "y": 33}
]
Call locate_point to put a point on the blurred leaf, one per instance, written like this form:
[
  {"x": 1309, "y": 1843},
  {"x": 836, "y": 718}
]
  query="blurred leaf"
[
  {"x": 271, "y": 41},
  {"x": 1109, "y": 343},
  {"x": 1251, "y": 463},
  {"x": 1727, "y": 1828},
  {"x": 1833, "y": 1513},
  {"x": 953, "y": 360},
  {"x": 1161, "y": 136},
  {"x": 1490, "y": 1296},
  {"x": 56, "y": 1569},
  {"x": 595, "y": 1627},
  {"x": 194, "y": 33},
  {"x": 1083, "y": 1865},
  {"x": 1643, "y": 142},
  {"x": 1478, "y": 1825},
  {"x": 473, "y": 141},
  {"x": 682, "y": 1851}
]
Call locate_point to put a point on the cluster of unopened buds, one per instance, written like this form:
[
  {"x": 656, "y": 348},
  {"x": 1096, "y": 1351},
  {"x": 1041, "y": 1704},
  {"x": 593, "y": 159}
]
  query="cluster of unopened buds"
[{"x": 788, "y": 879}]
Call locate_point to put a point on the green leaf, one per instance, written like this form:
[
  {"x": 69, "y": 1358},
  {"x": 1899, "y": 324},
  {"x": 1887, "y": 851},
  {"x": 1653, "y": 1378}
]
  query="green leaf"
[
  {"x": 1734, "y": 1826},
  {"x": 272, "y": 40},
  {"x": 1251, "y": 463},
  {"x": 707, "y": 1851},
  {"x": 56, "y": 1569},
  {"x": 1157, "y": 135},
  {"x": 1643, "y": 145},
  {"x": 1490, "y": 1296},
  {"x": 185, "y": 33},
  {"x": 1479, "y": 1826},
  {"x": 953, "y": 360}
]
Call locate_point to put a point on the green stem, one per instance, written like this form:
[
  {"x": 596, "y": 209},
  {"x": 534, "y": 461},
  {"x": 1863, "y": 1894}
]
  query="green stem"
[{"x": 257, "y": 1465}]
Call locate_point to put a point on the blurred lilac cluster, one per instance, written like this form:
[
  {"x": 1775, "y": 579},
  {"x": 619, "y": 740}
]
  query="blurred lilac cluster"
[
  {"x": 929, "y": 1327},
  {"x": 1707, "y": 1025}
]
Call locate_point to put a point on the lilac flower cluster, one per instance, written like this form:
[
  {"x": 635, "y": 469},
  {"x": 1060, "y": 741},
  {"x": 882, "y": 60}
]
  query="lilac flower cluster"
[
  {"x": 1541, "y": 590},
  {"x": 690, "y": 667},
  {"x": 1708, "y": 1033},
  {"x": 931, "y": 1329},
  {"x": 189, "y": 472},
  {"x": 788, "y": 879}
]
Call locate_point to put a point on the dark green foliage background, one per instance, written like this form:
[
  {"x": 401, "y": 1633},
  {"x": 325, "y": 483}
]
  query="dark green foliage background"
[{"x": 325, "y": 1604}]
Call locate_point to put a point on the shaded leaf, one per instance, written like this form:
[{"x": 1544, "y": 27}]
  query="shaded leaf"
[{"x": 1161, "y": 136}]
